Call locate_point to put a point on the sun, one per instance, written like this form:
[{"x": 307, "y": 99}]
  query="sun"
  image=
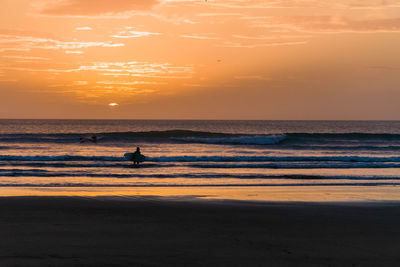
[{"x": 113, "y": 104}]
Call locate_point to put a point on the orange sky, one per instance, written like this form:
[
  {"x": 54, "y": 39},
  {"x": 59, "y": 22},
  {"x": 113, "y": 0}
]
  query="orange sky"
[{"x": 192, "y": 59}]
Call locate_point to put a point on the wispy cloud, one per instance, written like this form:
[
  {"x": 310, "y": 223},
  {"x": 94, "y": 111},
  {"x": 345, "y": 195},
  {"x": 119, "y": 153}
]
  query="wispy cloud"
[
  {"x": 255, "y": 41},
  {"x": 83, "y": 29},
  {"x": 98, "y": 7},
  {"x": 374, "y": 5},
  {"x": 276, "y": 4},
  {"x": 13, "y": 42},
  {"x": 33, "y": 69},
  {"x": 116, "y": 69},
  {"x": 27, "y": 57},
  {"x": 74, "y": 52},
  {"x": 80, "y": 83},
  {"x": 200, "y": 36},
  {"x": 133, "y": 34},
  {"x": 129, "y": 83},
  {"x": 219, "y": 14},
  {"x": 330, "y": 24},
  {"x": 141, "y": 69},
  {"x": 291, "y": 5},
  {"x": 271, "y": 37},
  {"x": 255, "y": 45},
  {"x": 18, "y": 49}
]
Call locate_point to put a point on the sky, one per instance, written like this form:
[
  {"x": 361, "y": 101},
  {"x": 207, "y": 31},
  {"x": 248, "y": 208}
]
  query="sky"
[{"x": 197, "y": 59}]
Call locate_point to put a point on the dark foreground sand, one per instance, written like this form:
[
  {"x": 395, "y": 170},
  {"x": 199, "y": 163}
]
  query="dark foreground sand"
[{"x": 150, "y": 231}]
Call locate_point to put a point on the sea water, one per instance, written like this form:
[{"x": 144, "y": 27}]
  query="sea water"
[{"x": 186, "y": 153}]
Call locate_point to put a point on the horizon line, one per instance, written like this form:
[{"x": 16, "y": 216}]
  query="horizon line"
[{"x": 122, "y": 119}]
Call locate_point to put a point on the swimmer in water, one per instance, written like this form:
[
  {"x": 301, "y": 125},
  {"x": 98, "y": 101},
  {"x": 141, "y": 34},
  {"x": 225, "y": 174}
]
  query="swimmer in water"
[{"x": 93, "y": 139}]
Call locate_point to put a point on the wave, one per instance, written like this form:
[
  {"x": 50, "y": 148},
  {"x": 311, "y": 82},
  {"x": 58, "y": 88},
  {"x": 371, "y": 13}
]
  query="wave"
[
  {"x": 186, "y": 136},
  {"x": 177, "y": 136},
  {"x": 74, "y": 164},
  {"x": 200, "y": 165},
  {"x": 272, "y": 159},
  {"x": 110, "y": 136},
  {"x": 354, "y": 135},
  {"x": 113, "y": 185},
  {"x": 291, "y": 165},
  {"x": 244, "y": 176},
  {"x": 346, "y": 147},
  {"x": 59, "y": 158},
  {"x": 206, "y": 158},
  {"x": 242, "y": 140}
]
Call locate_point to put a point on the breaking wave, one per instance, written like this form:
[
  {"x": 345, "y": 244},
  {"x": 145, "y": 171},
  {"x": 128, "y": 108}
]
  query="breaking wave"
[
  {"x": 243, "y": 140},
  {"x": 362, "y": 140}
]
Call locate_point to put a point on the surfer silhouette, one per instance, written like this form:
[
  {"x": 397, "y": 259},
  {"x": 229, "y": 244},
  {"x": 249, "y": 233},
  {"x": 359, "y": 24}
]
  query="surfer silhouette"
[
  {"x": 136, "y": 156},
  {"x": 93, "y": 139}
]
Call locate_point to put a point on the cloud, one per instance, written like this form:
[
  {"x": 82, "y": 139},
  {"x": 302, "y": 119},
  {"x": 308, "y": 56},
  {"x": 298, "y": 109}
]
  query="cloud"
[
  {"x": 134, "y": 34},
  {"x": 39, "y": 70},
  {"x": 277, "y": 4},
  {"x": 115, "y": 69},
  {"x": 266, "y": 44},
  {"x": 18, "y": 42},
  {"x": 7, "y": 49},
  {"x": 337, "y": 24},
  {"x": 221, "y": 14},
  {"x": 297, "y": 4},
  {"x": 254, "y": 41},
  {"x": 27, "y": 58},
  {"x": 98, "y": 7},
  {"x": 80, "y": 83},
  {"x": 83, "y": 29},
  {"x": 375, "y": 5},
  {"x": 128, "y": 83},
  {"x": 330, "y": 24},
  {"x": 199, "y": 36},
  {"x": 73, "y": 52},
  {"x": 140, "y": 69},
  {"x": 270, "y": 37}
]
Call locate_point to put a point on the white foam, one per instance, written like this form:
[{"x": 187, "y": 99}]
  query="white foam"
[{"x": 243, "y": 140}]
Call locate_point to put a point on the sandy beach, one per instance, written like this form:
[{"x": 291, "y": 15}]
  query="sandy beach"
[{"x": 166, "y": 231}]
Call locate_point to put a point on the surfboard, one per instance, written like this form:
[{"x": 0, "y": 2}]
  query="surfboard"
[{"x": 134, "y": 157}]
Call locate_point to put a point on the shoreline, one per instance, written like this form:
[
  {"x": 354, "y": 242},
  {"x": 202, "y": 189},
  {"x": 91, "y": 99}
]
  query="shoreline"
[
  {"x": 312, "y": 194},
  {"x": 187, "y": 231}
]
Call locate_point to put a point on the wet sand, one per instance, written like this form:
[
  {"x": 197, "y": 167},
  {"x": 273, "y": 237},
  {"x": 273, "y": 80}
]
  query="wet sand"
[{"x": 161, "y": 231}]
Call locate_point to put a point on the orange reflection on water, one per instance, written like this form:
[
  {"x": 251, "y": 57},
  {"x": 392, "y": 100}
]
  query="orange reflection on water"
[{"x": 249, "y": 193}]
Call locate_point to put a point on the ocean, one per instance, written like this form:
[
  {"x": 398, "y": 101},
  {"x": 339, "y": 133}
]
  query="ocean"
[{"x": 188, "y": 153}]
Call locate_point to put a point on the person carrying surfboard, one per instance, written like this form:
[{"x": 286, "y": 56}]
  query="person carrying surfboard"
[{"x": 136, "y": 157}]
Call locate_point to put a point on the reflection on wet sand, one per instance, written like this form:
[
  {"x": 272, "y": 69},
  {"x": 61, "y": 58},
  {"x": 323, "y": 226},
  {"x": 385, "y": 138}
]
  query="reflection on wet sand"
[{"x": 248, "y": 193}]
